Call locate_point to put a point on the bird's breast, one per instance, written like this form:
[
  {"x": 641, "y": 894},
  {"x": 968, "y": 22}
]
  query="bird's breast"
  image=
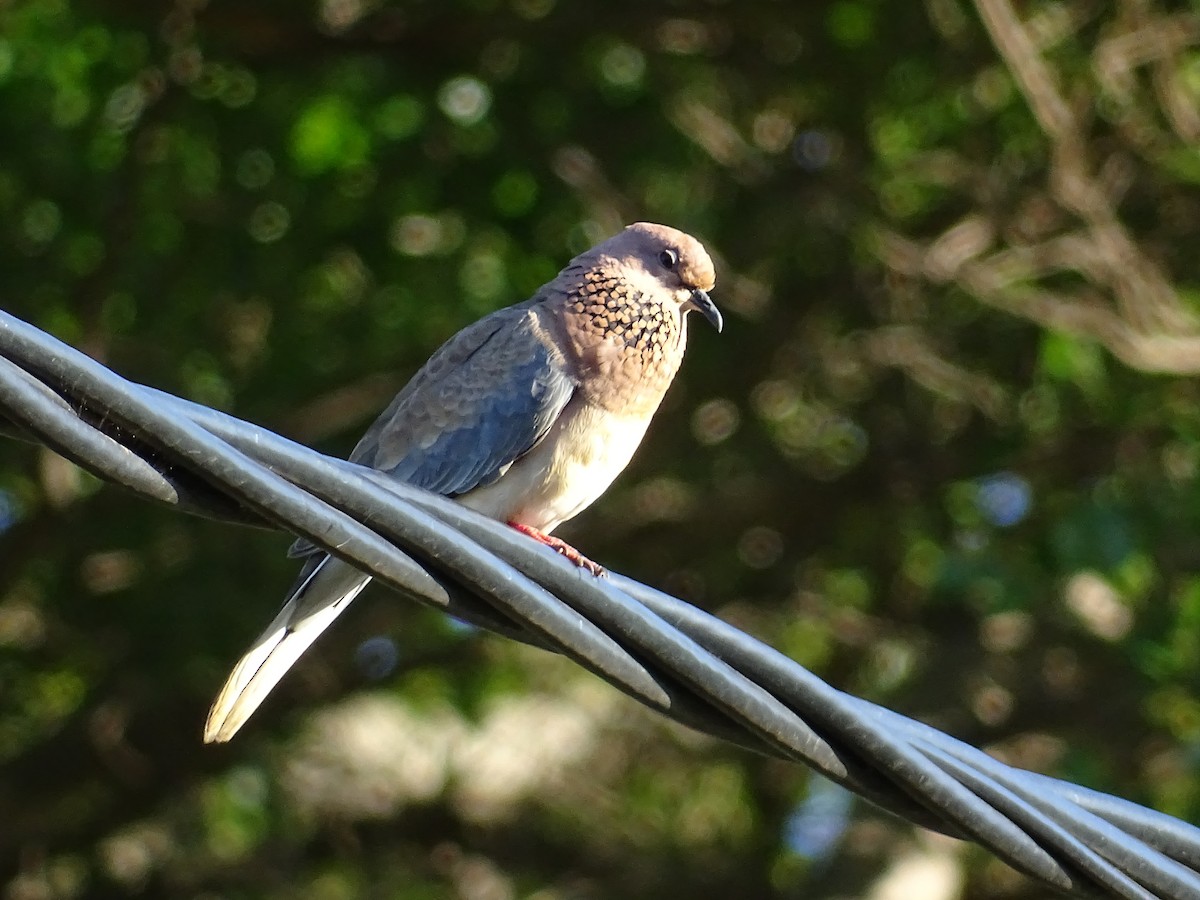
[
  {"x": 586, "y": 448},
  {"x": 623, "y": 342}
]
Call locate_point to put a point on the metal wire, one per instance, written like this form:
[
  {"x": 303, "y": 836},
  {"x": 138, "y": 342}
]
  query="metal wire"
[{"x": 676, "y": 659}]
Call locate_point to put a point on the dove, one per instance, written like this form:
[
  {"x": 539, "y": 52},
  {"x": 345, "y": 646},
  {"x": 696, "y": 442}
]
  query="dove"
[{"x": 526, "y": 416}]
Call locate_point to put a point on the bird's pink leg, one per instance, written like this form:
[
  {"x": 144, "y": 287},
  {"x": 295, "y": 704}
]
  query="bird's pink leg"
[{"x": 561, "y": 546}]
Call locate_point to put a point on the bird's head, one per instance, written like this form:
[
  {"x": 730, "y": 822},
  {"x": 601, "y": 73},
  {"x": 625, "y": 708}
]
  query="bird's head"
[{"x": 666, "y": 260}]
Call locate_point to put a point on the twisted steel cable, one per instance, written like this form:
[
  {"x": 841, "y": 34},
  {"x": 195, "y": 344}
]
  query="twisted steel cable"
[{"x": 663, "y": 652}]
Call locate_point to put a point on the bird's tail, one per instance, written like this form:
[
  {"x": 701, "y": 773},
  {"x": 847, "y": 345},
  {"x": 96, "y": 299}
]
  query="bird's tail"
[{"x": 313, "y": 605}]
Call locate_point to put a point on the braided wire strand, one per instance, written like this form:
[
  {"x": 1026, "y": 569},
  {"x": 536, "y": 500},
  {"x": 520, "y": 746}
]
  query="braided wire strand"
[{"x": 663, "y": 652}]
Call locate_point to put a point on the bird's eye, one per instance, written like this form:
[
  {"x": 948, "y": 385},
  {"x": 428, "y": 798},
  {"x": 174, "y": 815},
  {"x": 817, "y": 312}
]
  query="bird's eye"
[{"x": 669, "y": 258}]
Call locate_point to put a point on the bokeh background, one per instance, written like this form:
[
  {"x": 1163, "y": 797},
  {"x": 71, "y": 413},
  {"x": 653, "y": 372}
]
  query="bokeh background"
[{"x": 945, "y": 452}]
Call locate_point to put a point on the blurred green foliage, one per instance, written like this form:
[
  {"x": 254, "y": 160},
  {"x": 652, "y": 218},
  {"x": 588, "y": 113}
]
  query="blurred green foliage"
[{"x": 945, "y": 453}]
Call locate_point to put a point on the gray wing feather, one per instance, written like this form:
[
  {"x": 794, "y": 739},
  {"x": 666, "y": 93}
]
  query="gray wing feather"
[
  {"x": 487, "y": 397},
  {"x": 484, "y": 400}
]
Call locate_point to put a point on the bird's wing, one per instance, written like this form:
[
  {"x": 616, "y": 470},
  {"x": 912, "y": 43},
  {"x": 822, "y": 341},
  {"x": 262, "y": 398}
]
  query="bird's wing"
[
  {"x": 482, "y": 401},
  {"x": 485, "y": 399}
]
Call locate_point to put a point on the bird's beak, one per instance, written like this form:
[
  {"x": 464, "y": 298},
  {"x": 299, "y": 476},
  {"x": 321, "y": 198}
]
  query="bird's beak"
[{"x": 702, "y": 303}]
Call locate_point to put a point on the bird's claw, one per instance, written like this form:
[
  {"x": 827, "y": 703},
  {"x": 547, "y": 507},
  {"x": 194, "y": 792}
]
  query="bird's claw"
[{"x": 560, "y": 546}]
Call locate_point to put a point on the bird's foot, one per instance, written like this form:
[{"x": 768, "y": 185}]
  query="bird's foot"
[{"x": 561, "y": 546}]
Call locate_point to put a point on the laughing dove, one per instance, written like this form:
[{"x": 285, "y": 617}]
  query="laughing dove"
[{"x": 526, "y": 416}]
